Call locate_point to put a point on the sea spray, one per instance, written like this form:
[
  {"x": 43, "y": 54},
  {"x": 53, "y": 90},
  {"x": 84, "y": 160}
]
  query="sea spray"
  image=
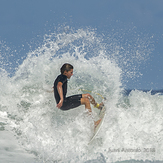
[{"x": 54, "y": 135}]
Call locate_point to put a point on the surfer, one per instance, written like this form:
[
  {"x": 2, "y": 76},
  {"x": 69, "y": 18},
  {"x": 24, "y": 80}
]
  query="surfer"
[{"x": 65, "y": 103}]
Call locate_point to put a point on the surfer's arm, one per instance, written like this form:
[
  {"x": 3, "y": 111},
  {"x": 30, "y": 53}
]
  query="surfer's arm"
[{"x": 60, "y": 91}]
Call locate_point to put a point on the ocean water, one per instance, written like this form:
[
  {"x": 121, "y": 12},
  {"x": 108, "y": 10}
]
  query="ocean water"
[{"x": 33, "y": 130}]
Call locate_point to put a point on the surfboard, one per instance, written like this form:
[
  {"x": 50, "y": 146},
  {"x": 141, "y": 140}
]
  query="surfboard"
[{"x": 98, "y": 127}]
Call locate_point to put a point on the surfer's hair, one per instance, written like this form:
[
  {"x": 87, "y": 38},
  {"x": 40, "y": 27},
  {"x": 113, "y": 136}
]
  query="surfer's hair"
[{"x": 66, "y": 67}]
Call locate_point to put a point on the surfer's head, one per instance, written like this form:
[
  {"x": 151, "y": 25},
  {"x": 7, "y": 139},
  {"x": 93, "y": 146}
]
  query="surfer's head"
[{"x": 67, "y": 69}]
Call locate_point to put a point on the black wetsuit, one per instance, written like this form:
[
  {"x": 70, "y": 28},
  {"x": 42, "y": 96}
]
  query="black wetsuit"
[{"x": 69, "y": 102}]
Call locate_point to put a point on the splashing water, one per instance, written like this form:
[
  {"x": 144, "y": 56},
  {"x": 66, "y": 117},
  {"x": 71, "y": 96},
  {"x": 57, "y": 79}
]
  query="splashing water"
[{"x": 53, "y": 135}]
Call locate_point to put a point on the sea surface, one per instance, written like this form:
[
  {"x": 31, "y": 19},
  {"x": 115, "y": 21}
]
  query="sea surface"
[{"x": 33, "y": 130}]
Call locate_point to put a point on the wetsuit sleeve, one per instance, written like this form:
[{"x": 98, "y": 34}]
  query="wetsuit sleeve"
[{"x": 62, "y": 79}]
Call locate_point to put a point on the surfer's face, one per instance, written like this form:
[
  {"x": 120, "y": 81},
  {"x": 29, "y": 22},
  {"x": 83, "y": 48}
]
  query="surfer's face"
[{"x": 68, "y": 73}]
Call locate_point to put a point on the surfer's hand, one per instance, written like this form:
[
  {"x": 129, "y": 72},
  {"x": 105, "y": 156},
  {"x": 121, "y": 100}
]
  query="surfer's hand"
[{"x": 59, "y": 105}]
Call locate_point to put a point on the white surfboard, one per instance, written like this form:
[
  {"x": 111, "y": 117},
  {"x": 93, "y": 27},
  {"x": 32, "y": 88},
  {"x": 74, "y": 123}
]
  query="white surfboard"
[{"x": 98, "y": 127}]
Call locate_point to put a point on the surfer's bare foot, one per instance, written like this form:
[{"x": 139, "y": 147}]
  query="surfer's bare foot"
[{"x": 97, "y": 122}]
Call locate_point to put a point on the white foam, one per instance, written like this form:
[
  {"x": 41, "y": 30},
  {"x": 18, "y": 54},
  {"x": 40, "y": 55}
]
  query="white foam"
[{"x": 56, "y": 135}]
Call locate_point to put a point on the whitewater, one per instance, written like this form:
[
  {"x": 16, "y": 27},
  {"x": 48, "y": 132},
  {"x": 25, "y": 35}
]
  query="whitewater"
[{"x": 34, "y": 130}]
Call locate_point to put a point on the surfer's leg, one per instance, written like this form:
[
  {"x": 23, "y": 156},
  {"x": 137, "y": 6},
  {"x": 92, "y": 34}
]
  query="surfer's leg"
[
  {"x": 92, "y": 100},
  {"x": 71, "y": 102},
  {"x": 97, "y": 122},
  {"x": 86, "y": 102}
]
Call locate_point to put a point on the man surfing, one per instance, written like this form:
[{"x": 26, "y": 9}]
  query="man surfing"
[{"x": 66, "y": 103}]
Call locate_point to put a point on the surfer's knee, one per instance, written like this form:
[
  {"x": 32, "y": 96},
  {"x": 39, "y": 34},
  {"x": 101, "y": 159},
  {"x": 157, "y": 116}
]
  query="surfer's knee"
[
  {"x": 87, "y": 95},
  {"x": 85, "y": 101}
]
